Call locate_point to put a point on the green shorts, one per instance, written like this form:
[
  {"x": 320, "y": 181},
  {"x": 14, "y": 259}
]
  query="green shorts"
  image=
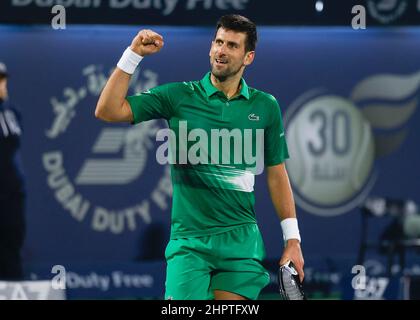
[{"x": 228, "y": 261}]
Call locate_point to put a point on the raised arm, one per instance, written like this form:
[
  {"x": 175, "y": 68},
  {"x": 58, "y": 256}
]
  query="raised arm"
[{"x": 112, "y": 105}]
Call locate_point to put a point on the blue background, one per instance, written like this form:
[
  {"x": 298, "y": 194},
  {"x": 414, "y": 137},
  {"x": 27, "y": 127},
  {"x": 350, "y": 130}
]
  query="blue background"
[{"x": 289, "y": 62}]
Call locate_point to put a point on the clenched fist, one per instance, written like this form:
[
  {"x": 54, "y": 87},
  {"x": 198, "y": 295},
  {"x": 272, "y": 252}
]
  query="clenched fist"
[{"x": 147, "y": 42}]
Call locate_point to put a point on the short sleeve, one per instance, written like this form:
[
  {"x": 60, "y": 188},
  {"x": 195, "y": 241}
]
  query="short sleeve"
[
  {"x": 155, "y": 103},
  {"x": 275, "y": 145}
]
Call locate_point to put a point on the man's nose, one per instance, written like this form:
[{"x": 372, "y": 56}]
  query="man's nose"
[{"x": 221, "y": 50}]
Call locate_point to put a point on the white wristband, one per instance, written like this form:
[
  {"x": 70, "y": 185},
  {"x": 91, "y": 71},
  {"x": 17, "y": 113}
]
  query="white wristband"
[
  {"x": 129, "y": 61},
  {"x": 290, "y": 229}
]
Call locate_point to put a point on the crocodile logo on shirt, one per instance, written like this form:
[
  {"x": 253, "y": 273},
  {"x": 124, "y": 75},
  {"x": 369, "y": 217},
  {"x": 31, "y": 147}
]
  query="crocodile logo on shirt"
[{"x": 253, "y": 117}]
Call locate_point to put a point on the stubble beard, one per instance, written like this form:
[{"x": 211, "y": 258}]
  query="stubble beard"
[{"x": 223, "y": 75}]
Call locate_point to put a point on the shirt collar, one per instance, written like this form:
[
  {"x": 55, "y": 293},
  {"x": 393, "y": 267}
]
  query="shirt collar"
[{"x": 210, "y": 89}]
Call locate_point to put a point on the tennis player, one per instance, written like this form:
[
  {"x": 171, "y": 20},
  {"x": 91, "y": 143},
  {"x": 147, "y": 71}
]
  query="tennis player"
[{"x": 216, "y": 248}]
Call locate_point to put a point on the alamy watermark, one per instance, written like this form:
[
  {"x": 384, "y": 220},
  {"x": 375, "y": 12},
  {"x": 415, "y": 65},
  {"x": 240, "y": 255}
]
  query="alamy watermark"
[
  {"x": 359, "y": 280},
  {"x": 359, "y": 20},
  {"x": 59, "y": 20},
  {"x": 218, "y": 147},
  {"x": 58, "y": 282},
  {"x": 368, "y": 287}
]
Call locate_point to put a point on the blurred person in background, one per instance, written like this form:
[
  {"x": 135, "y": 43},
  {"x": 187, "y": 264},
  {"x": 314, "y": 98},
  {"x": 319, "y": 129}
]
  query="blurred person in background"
[{"x": 12, "y": 193}]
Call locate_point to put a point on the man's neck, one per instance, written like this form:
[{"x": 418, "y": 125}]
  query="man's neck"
[{"x": 230, "y": 87}]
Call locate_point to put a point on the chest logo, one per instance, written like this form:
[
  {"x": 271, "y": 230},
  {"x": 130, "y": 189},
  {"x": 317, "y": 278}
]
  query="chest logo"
[{"x": 253, "y": 117}]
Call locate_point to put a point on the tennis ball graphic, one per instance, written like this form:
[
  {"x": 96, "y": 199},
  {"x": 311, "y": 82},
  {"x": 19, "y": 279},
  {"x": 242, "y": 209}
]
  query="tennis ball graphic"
[{"x": 331, "y": 150}]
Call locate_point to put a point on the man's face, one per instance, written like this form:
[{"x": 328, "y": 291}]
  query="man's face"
[
  {"x": 227, "y": 54},
  {"x": 3, "y": 88}
]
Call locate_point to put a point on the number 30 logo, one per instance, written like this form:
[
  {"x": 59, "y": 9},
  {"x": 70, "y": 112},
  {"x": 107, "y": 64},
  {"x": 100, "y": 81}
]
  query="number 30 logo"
[{"x": 331, "y": 154}]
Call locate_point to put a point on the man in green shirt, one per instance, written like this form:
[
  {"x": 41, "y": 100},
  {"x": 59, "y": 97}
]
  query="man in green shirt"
[{"x": 218, "y": 130}]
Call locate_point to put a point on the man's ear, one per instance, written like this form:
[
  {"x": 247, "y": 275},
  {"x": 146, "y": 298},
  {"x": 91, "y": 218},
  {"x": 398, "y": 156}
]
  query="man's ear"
[
  {"x": 211, "y": 48},
  {"x": 249, "y": 58}
]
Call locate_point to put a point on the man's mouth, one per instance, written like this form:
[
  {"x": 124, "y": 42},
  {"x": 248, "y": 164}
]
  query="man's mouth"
[{"x": 221, "y": 61}]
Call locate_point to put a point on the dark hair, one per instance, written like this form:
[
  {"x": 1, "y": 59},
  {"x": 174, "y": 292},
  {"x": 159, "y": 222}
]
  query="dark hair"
[{"x": 238, "y": 23}]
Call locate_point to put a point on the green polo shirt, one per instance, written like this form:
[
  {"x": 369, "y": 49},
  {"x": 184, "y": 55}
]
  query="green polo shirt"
[{"x": 216, "y": 142}]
